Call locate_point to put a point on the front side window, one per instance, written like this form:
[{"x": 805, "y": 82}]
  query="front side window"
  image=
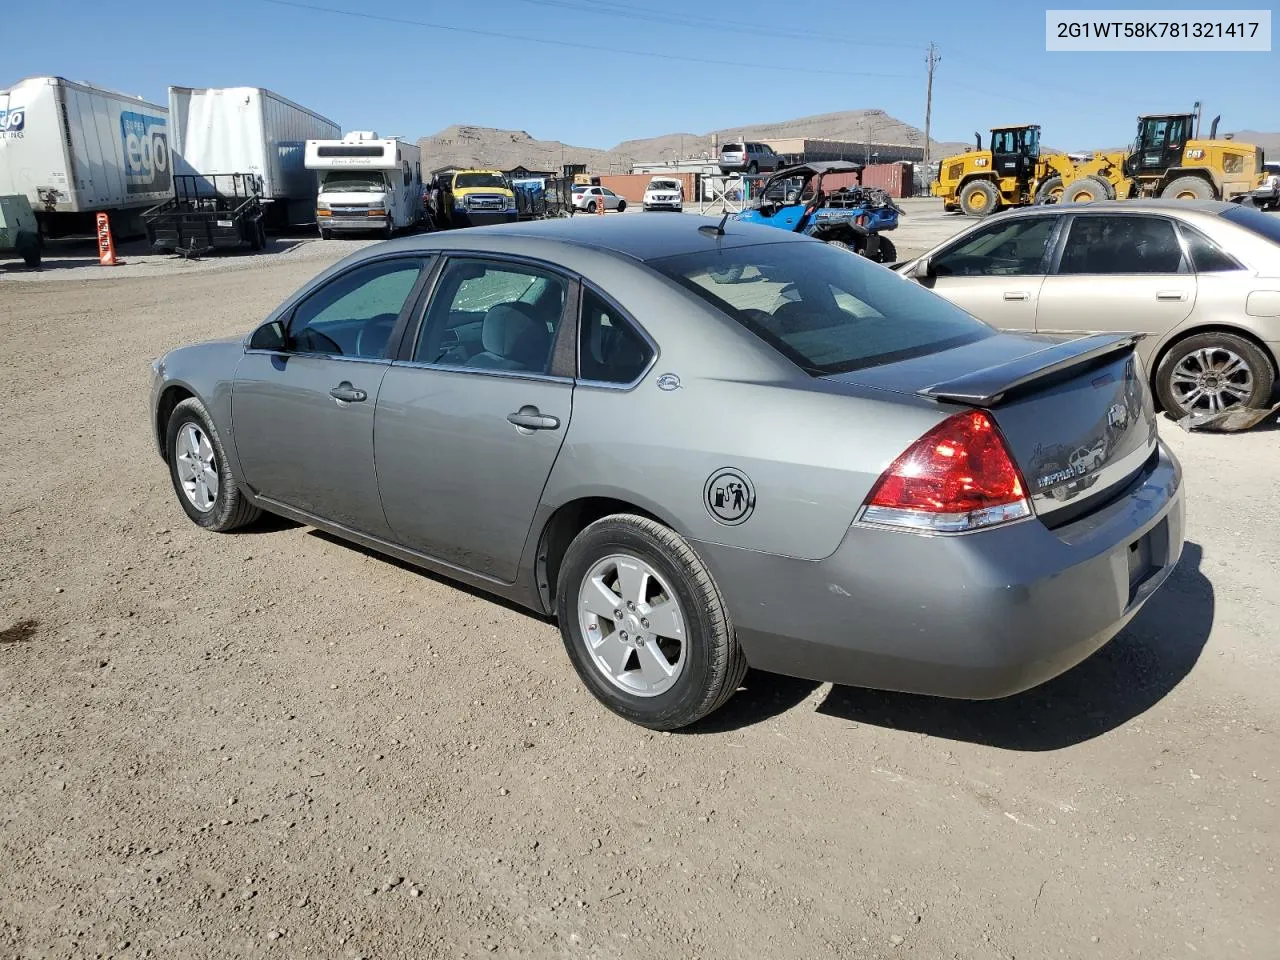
[
  {"x": 825, "y": 310},
  {"x": 610, "y": 350},
  {"x": 1012, "y": 249},
  {"x": 493, "y": 316},
  {"x": 1002, "y": 141},
  {"x": 1120, "y": 244},
  {"x": 353, "y": 314}
]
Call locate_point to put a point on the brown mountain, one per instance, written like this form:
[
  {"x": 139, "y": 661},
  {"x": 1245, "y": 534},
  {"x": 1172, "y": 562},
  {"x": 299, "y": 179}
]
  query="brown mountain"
[{"x": 464, "y": 145}]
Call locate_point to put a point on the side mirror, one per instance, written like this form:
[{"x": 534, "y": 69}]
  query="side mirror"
[
  {"x": 270, "y": 336},
  {"x": 922, "y": 269}
]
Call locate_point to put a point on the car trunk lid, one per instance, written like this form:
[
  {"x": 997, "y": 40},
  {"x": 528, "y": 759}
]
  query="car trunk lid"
[{"x": 1077, "y": 415}]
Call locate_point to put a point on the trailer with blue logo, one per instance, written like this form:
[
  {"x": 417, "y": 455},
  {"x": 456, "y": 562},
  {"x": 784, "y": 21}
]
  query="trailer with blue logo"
[{"x": 73, "y": 150}]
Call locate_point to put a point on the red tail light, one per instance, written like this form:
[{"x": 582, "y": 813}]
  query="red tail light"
[{"x": 957, "y": 477}]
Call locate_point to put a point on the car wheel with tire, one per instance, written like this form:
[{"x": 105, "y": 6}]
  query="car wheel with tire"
[
  {"x": 1187, "y": 188},
  {"x": 979, "y": 198},
  {"x": 622, "y": 205},
  {"x": 645, "y": 625},
  {"x": 753, "y": 167},
  {"x": 591, "y": 207},
  {"x": 1050, "y": 191},
  {"x": 325, "y": 234},
  {"x": 200, "y": 473},
  {"x": 1209, "y": 372}
]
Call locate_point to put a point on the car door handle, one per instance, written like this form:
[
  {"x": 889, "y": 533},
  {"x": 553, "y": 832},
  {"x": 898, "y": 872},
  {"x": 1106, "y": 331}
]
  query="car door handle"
[
  {"x": 1017, "y": 295},
  {"x": 531, "y": 418},
  {"x": 346, "y": 393},
  {"x": 1170, "y": 295}
]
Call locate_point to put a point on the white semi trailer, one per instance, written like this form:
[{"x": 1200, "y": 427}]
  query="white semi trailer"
[
  {"x": 73, "y": 149},
  {"x": 224, "y": 130}
]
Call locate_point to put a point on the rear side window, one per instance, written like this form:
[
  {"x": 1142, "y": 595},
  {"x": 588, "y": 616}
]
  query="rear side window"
[
  {"x": 1207, "y": 256},
  {"x": 1120, "y": 244},
  {"x": 610, "y": 350},
  {"x": 823, "y": 308}
]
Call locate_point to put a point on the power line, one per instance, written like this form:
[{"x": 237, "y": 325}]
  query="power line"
[{"x": 594, "y": 48}]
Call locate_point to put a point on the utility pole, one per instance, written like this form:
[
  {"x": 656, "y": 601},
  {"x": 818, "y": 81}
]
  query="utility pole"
[{"x": 931, "y": 62}]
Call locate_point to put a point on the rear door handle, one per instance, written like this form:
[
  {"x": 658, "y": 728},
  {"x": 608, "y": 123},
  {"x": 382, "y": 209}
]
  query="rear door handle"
[
  {"x": 346, "y": 393},
  {"x": 1017, "y": 295},
  {"x": 1170, "y": 295},
  {"x": 530, "y": 417}
]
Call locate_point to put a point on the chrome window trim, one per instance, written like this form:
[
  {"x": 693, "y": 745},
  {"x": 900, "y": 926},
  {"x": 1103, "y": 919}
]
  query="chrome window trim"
[{"x": 482, "y": 371}]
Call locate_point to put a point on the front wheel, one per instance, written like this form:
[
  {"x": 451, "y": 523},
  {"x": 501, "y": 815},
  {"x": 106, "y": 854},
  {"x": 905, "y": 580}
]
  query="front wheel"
[
  {"x": 1210, "y": 372},
  {"x": 206, "y": 490},
  {"x": 979, "y": 198},
  {"x": 645, "y": 625}
]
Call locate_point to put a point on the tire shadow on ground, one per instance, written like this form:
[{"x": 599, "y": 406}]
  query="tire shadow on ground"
[{"x": 1122, "y": 680}]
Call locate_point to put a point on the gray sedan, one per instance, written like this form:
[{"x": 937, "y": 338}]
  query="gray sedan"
[{"x": 700, "y": 447}]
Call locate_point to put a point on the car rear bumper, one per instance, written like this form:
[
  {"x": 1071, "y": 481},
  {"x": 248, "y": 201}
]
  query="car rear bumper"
[{"x": 977, "y": 616}]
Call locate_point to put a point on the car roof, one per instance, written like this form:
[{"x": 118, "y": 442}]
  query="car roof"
[
  {"x": 635, "y": 237},
  {"x": 1209, "y": 207}
]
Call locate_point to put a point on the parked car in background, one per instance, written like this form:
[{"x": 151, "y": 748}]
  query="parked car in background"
[
  {"x": 589, "y": 199},
  {"x": 1267, "y": 196},
  {"x": 748, "y": 157},
  {"x": 1198, "y": 278},
  {"x": 700, "y": 446},
  {"x": 664, "y": 193}
]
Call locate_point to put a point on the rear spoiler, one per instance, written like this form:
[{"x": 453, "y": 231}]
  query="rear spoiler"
[{"x": 988, "y": 386}]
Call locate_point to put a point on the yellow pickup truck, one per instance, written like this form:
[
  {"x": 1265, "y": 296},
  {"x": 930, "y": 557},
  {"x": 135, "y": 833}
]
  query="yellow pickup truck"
[{"x": 472, "y": 198}]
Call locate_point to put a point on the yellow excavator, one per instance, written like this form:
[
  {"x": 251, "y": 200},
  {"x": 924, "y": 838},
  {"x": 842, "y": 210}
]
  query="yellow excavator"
[
  {"x": 1168, "y": 159},
  {"x": 1013, "y": 173}
]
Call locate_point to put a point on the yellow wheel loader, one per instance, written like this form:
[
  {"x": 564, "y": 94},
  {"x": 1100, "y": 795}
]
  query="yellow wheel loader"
[
  {"x": 1013, "y": 173},
  {"x": 1167, "y": 160}
]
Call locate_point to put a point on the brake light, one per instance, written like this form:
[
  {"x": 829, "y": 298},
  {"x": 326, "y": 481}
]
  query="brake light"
[{"x": 956, "y": 478}]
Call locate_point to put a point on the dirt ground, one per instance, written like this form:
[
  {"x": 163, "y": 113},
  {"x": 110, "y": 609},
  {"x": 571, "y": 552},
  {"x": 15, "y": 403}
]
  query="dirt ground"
[{"x": 273, "y": 743}]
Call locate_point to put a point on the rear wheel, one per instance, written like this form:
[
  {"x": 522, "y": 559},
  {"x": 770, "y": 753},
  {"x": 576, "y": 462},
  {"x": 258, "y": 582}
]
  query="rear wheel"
[
  {"x": 1050, "y": 191},
  {"x": 888, "y": 252},
  {"x": 622, "y": 205},
  {"x": 591, "y": 207},
  {"x": 1210, "y": 372},
  {"x": 1086, "y": 190},
  {"x": 198, "y": 468},
  {"x": 753, "y": 167},
  {"x": 1187, "y": 188},
  {"x": 979, "y": 198},
  {"x": 645, "y": 624}
]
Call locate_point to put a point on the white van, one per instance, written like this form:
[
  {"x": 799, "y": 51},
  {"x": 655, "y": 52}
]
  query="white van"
[
  {"x": 366, "y": 183},
  {"x": 664, "y": 193}
]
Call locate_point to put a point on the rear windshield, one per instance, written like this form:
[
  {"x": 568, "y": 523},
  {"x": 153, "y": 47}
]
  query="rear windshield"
[
  {"x": 1255, "y": 220},
  {"x": 493, "y": 180},
  {"x": 732, "y": 148},
  {"x": 825, "y": 309}
]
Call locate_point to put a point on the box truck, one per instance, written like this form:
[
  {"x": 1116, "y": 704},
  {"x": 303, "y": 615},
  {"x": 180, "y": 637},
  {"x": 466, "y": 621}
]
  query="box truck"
[
  {"x": 366, "y": 183},
  {"x": 73, "y": 149},
  {"x": 249, "y": 130}
]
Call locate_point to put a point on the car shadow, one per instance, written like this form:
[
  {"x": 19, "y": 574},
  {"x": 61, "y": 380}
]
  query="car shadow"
[
  {"x": 1124, "y": 679},
  {"x": 762, "y": 696}
]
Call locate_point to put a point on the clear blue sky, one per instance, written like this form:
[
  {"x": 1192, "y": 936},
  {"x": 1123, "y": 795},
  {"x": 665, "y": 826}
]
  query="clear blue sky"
[{"x": 407, "y": 79}]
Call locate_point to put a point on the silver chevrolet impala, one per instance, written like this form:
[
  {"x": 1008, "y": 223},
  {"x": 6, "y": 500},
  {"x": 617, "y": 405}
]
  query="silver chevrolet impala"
[{"x": 700, "y": 446}]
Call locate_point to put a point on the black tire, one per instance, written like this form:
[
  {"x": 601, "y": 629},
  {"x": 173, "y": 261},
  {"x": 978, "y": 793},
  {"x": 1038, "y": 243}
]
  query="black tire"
[
  {"x": 888, "y": 252},
  {"x": 255, "y": 236},
  {"x": 979, "y": 198},
  {"x": 714, "y": 665},
  {"x": 1087, "y": 190},
  {"x": 1188, "y": 188},
  {"x": 1261, "y": 369},
  {"x": 231, "y": 509},
  {"x": 325, "y": 234},
  {"x": 753, "y": 167},
  {"x": 591, "y": 206},
  {"x": 622, "y": 205},
  {"x": 389, "y": 230},
  {"x": 1050, "y": 191}
]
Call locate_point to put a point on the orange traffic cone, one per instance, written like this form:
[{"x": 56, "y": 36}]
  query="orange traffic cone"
[
  {"x": 601, "y": 207},
  {"x": 106, "y": 248}
]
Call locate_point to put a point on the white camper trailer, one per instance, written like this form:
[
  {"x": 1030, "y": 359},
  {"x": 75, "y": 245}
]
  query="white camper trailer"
[
  {"x": 73, "y": 149},
  {"x": 366, "y": 183},
  {"x": 220, "y": 130}
]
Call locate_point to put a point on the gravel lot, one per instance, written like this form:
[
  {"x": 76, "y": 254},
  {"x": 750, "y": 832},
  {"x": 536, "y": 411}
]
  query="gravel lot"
[{"x": 273, "y": 743}]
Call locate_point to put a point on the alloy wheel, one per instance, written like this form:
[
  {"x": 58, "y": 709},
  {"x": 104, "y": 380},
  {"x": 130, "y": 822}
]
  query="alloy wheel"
[
  {"x": 197, "y": 466},
  {"x": 1212, "y": 379}
]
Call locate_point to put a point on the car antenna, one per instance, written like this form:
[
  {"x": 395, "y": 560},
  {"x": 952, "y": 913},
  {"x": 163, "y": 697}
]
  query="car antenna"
[{"x": 717, "y": 230}]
